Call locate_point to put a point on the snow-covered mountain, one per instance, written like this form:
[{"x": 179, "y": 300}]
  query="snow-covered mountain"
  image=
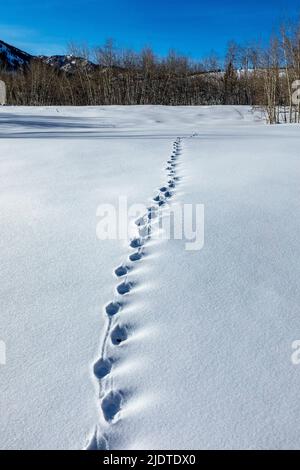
[
  {"x": 68, "y": 63},
  {"x": 13, "y": 59}
]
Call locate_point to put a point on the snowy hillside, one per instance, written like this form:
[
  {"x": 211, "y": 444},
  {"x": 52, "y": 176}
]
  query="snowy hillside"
[
  {"x": 68, "y": 63},
  {"x": 12, "y": 58},
  {"x": 177, "y": 349}
]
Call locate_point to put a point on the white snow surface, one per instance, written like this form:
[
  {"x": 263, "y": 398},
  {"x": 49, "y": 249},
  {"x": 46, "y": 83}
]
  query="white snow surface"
[{"x": 207, "y": 362}]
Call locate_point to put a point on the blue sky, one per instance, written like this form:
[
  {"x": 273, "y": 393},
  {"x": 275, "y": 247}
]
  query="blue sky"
[{"x": 193, "y": 27}]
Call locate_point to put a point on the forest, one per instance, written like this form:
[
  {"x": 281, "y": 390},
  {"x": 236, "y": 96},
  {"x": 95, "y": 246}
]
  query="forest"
[{"x": 106, "y": 75}]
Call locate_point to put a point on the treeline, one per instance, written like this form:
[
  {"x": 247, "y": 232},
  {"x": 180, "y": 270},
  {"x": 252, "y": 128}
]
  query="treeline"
[
  {"x": 127, "y": 78},
  {"x": 250, "y": 75}
]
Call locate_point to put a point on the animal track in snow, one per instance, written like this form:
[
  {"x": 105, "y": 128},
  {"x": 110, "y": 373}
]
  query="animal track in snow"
[
  {"x": 97, "y": 442},
  {"x": 102, "y": 368},
  {"x": 152, "y": 212},
  {"x": 124, "y": 288},
  {"x": 152, "y": 215},
  {"x": 136, "y": 256},
  {"x": 112, "y": 308},
  {"x": 121, "y": 271},
  {"x": 119, "y": 334},
  {"x": 159, "y": 200},
  {"x": 136, "y": 243},
  {"x": 111, "y": 405},
  {"x": 112, "y": 402}
]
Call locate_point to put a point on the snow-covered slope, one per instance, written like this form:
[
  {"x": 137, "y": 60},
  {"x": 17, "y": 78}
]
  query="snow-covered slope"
[
  {"x": 68, "y": 63},
  {"x": 205, "y": 361},
  {"x": 12, "y": 58}
]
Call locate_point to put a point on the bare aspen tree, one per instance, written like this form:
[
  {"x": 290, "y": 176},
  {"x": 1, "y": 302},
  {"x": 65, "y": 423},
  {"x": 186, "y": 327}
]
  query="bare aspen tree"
[
  {"x": 288, "y": 69},
  {"x": 270, "y": 73}
]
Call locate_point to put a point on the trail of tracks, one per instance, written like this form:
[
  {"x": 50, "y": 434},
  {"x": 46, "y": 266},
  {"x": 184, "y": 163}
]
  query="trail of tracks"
[{"x": 111, "y": 398}]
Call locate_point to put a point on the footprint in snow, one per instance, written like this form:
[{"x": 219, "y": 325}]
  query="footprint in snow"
[
  {"x": 124, "y": 288},
  {"x": 152, "y": 215},
  {"x": 102, "y": 368},
  {"x": 152, "y": 212},
  {"x": 112, "y": 308},
  {"x": 118, "y": 335},
  {"x": 111, "y": 405},
  {"x": 136, "y": 256},
  {"x": 158, "y": 200},
  {"x": 97, "y": 442},
  {"x": 121, "y": 271},
  {"x": 136, "y": 243}
]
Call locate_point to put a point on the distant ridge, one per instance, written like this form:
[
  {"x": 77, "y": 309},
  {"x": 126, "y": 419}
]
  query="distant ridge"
[{"x": 14, "y": 59}]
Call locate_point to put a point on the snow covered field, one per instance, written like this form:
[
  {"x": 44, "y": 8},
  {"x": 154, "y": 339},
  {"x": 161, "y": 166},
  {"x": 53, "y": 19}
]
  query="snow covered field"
[{"x": 206, "y": 356}]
